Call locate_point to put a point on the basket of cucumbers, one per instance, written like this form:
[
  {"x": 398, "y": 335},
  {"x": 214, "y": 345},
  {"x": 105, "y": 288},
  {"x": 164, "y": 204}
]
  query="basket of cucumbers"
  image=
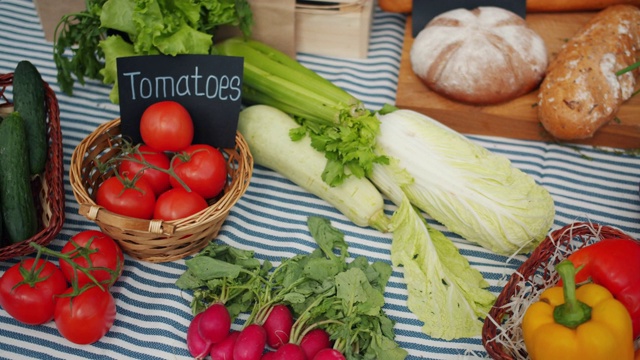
[{"x": 31, "y": 167}]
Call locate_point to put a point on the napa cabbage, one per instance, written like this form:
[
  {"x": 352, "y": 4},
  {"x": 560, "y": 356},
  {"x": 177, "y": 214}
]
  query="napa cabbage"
[{"x": 474, "y": 192}]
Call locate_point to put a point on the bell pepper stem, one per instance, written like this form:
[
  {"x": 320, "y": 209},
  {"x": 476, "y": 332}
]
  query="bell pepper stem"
[{"x": 573, "y": 312}]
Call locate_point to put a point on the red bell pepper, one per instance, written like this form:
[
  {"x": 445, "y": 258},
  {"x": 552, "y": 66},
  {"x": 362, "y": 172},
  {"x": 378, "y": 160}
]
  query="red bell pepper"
[{"x": 614, "y": 264}]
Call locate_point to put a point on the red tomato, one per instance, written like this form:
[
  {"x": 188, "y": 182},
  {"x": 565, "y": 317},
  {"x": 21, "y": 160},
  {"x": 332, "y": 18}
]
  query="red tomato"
[
  {"x": 122, "y": 197},
  {"x": 166, "y": 126},
  {"x": 203, "y": 168},
  {"x": 178, "y": 203},
  {"x": 30, "y": 297},
  {"x": 92, "y": 248},
  {"x": 87, "y": 317},
  {"x": 158, "y": 180}
]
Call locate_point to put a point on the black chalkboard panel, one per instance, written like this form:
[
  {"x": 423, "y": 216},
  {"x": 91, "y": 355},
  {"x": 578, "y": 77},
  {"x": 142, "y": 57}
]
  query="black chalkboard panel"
[
  {"x": 208, "y": 86},
  {"x": 425, "y": 10}
]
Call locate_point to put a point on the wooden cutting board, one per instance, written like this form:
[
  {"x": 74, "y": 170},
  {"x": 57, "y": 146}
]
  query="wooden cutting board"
[{"x": 517, "y": 118}]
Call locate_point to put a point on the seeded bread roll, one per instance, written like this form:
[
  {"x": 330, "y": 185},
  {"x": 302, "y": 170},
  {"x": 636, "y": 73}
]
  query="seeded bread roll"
[
  {"x": 483, "y": 56},
  {"x": 581, "y": 91}
]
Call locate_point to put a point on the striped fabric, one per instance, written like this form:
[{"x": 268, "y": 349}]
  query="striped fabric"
[{"x": 153, "y": 314}]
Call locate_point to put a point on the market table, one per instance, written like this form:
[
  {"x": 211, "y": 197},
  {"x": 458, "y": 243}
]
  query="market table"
[{"x": 586, "y": 183}]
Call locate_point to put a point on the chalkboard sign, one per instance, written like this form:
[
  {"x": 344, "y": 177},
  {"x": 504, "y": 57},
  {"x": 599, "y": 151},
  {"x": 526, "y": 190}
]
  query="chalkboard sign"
[
  {"x": 208, "y": 86},
  {"x": 424, "y": 11}
]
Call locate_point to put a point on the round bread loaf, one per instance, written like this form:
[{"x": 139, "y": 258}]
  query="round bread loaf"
[{"x": 482, "y": 56}]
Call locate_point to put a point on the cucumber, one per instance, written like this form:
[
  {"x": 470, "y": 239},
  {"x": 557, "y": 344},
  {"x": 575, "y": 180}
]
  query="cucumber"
[
  {"x": 29, "y": 101},
  {"x": 266, "y": 131},
  {"x": 17, "y": 205}
]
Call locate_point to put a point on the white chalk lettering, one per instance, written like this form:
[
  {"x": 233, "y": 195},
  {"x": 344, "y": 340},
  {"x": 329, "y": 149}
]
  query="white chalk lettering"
[
  {"x": 222, "y": 87},
  {"x": 161, "y": 85}
]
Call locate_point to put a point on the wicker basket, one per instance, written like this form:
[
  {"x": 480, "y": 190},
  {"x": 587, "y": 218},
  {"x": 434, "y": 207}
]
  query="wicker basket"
[
  {"x": 558, "y": 245},
  {"x": 153, "y": 240},
  {"x": 48, "y": 189}
]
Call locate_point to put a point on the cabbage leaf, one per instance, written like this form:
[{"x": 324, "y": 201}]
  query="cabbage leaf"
[{"x": 445, "y": 292}]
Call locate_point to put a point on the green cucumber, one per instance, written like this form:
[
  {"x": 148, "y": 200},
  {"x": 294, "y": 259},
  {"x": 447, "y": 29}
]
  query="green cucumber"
[
  {"x": 29, "y": 101},
  {"x": 17, "y": 205}
]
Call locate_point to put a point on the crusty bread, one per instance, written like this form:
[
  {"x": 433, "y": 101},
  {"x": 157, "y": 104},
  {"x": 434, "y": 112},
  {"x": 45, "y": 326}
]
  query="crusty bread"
[
  {"x": 482, "y": 56},
  {"x": 581, "y": 91}
]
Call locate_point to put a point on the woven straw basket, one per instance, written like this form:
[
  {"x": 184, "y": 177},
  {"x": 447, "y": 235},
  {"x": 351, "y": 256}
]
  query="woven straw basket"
[
  {"x": 558, "y": 245},
  {"x": 153, "y": 240},
  {"x": 48, "y": 189}
]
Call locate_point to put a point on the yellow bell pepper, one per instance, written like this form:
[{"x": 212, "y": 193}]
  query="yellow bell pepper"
[{"x": 589, "y": 325}]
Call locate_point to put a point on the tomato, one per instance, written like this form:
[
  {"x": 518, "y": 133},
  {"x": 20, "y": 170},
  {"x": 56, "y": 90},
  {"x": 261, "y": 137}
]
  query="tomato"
[
  {"x": 178, "y": 203},
  {"x": 92, "y": 248},
  {"x": 85, "y": 318},
  {"x": 158, "y": 180},
  {"x": 203, "y": 169},
  {"x": 30, "y": 296},
  {"x": 166, "y": 126},
  {"x": 124, "y": 197}
]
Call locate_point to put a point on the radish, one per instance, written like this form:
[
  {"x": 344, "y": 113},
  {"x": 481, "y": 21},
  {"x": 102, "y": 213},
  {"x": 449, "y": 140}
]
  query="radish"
[
  {"x": 215, "y": 323},
  {"x": 314, "y": 341},
  {"x": 329, "y": 354},
  {"x": 224, "y": 349},
  {"x": 278, "y": 326},
  {"x": 290, "y": 351},
  {"x": 198, "y": 347},
  {"x": 250, "y": 343}
]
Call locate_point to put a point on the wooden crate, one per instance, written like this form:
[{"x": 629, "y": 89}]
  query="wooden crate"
[{"x": 334, "y": 28}]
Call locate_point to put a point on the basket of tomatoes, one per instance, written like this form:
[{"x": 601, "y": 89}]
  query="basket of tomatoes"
[
  {"x": 600, "y": 255},
  {"x": 164, "y": 198},
  {"x": 34, "y": 211}
]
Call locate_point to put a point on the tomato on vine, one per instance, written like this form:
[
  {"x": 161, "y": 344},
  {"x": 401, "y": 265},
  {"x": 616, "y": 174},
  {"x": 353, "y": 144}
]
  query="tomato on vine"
[
  {"x": 139, "y": 164},
  {"x": 95, "y": 251},
  {"x": 86, "y": 317},
  {"x": 202, "y": 168},
  {"x": 128, "y": 197},
  {"x": 28, "y": 290},
  {"x": 178, "y": 203}
]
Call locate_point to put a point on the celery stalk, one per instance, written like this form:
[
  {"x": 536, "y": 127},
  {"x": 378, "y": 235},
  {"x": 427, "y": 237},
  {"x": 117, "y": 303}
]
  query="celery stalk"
[
  {"x": 338, "y": 123},
  {"x": 272, "y": 61}
]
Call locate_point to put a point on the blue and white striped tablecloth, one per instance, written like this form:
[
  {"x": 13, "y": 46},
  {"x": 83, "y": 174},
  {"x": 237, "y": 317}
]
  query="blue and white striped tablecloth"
[{"x": 153, "y": 314}]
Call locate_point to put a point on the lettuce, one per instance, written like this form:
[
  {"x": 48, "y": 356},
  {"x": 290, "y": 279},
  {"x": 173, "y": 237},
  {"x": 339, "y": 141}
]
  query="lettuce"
[
  {"x": 475, "y": 193},
  {"x": 169, "y": 27}
]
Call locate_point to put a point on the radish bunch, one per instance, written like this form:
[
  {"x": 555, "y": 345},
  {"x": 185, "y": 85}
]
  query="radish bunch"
[
  {"x": 313, "y": 306},
  {"x": 210, "y": 334}
]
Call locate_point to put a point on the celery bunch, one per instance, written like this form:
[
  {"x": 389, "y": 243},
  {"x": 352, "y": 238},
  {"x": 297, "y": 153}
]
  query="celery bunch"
[{"x": 338, "y": 123}]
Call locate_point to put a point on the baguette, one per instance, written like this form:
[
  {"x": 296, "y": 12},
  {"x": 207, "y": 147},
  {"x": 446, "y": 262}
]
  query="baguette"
[
  {"x": 405, "y": 6},
  {"x": 581, "y": 92}
]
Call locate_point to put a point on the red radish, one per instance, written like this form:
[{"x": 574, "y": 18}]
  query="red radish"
[
  {"x": 269, "y": 355},
  {"x": 329, "y": 354},
  {"x": 215, "y": 323},
  {"x": 314, "y": 341},
  {"x": 198, "y": 347},
  {"x": 278, "y": 326},
  {"x": 250, "y": 343},
  {"x": 224, "y": 349},
  {"x": 290, "y": 351}
]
